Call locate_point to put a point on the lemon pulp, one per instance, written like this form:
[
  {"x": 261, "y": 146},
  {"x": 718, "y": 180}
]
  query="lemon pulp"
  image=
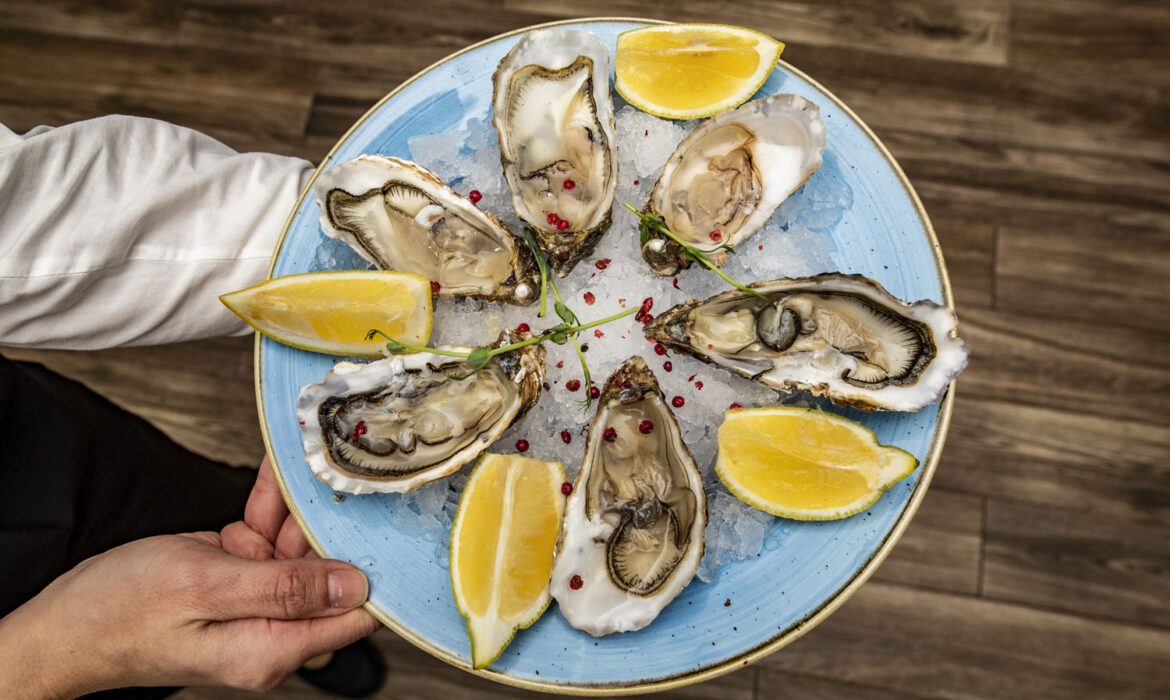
[
  {"x": 332, "y": 312},
  {"x": 502, "y": 546},
  {"x": 805, "y": 464}
]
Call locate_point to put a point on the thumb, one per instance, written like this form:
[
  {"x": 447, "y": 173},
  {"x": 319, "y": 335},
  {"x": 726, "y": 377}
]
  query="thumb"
[{"x": 287, "y": 589}]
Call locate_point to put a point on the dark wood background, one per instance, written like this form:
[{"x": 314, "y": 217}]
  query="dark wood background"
[{"x": 1036, "y": 132}]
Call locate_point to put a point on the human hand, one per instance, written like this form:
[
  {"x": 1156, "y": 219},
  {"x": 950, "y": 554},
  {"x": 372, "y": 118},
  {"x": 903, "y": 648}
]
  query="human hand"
[
  {"x": 267, "y": 531},
  {"x": 182, "y": 610}
]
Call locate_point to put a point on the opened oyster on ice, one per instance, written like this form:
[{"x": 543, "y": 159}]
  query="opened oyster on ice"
[
  {"x": 396, "y": 424},
  {"x": 553, "y": 113},
  {"x": 834, "y": 335},
  {"x": 401, "y": 216},
  {"x": 727, "y": 177},
  {"x": 633, "y": 529}
]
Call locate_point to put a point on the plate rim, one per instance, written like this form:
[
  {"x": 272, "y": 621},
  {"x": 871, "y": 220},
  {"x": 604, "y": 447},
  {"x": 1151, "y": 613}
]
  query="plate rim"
[{"x": 938, "y": 436}]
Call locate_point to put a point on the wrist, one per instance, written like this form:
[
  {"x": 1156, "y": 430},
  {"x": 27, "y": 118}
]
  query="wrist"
[{"x": 36, "y": 659}]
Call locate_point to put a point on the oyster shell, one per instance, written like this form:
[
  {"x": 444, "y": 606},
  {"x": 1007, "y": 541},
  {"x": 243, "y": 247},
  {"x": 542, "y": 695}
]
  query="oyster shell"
[
  {"x": 553, "y": 113},
  {"x": 633, "y": 527},
  {"x": 841, "y": 336},
  {"x": 398, "y": 423},
  {"x": 730, "y": 174},
  {"x": 401, "y": 216}
]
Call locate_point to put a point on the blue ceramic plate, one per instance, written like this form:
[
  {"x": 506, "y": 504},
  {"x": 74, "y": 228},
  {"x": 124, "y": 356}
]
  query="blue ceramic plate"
[{"x": 805, "y": 570}]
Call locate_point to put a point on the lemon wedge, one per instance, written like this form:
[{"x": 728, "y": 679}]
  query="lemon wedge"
[
  {"x": 804, "y": 464},
  {"x": 331, "y": 312},
  {"x": 685, "y": 71},
  {"x": 502, "y": 546}
]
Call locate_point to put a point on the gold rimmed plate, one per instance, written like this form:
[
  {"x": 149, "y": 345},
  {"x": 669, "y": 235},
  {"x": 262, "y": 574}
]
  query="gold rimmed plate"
[{"x": 805, "y": 570}]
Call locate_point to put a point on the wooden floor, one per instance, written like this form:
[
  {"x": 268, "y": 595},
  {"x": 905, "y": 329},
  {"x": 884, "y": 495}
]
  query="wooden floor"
[{"x": 1037, "y": 133}]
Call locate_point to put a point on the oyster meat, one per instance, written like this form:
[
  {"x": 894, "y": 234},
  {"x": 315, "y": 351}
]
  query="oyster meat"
[
  {"x": 841, "y": 336},
  {"x": 398, "y": 423},
  {"x": 553, "y": 113},
  {"x": 730, "y": 174},
  {"x": 633, "y": 527},
  {"x": 401, "y": 216}
]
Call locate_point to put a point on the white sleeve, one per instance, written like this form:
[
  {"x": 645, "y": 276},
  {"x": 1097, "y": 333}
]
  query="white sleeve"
[{"x": 125, "y": 231}]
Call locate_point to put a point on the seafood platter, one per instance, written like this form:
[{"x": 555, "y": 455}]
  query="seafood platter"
[{"x": 772, "y": 255}]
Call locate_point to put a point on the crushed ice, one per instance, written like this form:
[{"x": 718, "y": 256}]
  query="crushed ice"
[{"x": 791, "y": 244}]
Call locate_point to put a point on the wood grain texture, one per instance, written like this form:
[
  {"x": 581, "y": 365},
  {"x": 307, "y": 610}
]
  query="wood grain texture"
[
  {"x": 969, "y": 253},
  {"x": 973, "y": 31},
  {"x": 942, "y": 548},
  {"x": 102, "y": 77},
  {"x": 1081, "y": 274},
  {"x": 1009, "y": 106},
  {"x": 1036, "y": 134},
  {"x": 783, "y": 684},
  {"x": 1097, "y": 466},
  {"x": 1063, "y": 363},
  {"x": 1060, "y": 559},
  {"x": 1093, "y": 38},
  {"x": 939, "y": 645}
]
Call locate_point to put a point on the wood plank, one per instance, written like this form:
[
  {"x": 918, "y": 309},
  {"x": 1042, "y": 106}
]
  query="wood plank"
[
  {"x": 1036, "y": 109},
  {"x": 782, "y": 684},
  {"x": 200, "y": 394},
  {"x": 1081, "y": 274},
  {"x": 1069, "y": 184},
  {"x": 1102, "y": 466},
  {"x": 1069, "y": 560},
  {"x": 974, "y": 32},
  {"x": 95, "y": 78},
  {"x": 368, "y": 58},
  {"x": 968, "y": 247},
  {"x": 949, "y": 646},
  {"x": 1065, "y": 363},
  {"x": 125, "y": 21},
  {"x": 1005, "y": 207},
  {"x": 1124, "y": 40},
  {"x": 942, "y": 547}
]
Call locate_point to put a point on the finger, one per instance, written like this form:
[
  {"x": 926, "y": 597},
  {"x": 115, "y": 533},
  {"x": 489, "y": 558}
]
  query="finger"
[
  {"x": 304, "y": 639},
  {"x": 266, "y": 510},
  {"x": 275, "y": 648},
  {"x": 239, "y": 539},
  {"x": 287, "y": 589},
  {"x": 291, "y": 542}
]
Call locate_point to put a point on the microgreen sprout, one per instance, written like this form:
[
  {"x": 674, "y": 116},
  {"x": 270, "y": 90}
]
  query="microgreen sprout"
[
  {"x": 478, "y": 358},
  {"x": 561, "y": 308},
  {"x": 540, "y": 263},
  {"x": 650, "y": 223}
]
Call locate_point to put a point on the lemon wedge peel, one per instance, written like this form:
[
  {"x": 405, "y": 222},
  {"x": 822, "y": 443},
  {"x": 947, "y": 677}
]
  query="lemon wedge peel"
[
  {"x": 673, "y": 66},
  {"x": 489, "y": 634},
  {"x": 308, "y": 312},
  {"x": 881, "y": 466}
]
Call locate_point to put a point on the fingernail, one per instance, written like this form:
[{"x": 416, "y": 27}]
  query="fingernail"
[{"x": 347, "y": 588}]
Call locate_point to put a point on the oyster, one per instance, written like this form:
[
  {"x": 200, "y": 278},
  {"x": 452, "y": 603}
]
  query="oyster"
[
  {"x": 841, "y": 336},
  {"x": 553, "y": 114},
  {"x": 730, "y": 174},
  {"x": 398, "y": 423},
  {"x": 633, "y": 527},
  {"x": 401, "y": 216}
]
